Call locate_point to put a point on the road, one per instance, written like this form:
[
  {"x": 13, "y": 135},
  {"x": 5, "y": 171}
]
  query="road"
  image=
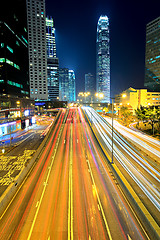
[
  {"x": 70, "y": 193},
  {"x": 141, "y": 171},
  {"x": 24, "y": 145}
]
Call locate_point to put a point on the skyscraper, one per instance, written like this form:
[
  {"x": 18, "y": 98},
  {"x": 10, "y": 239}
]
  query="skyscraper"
[
  {"x": 64, "y": 84},
  {"x": 14, "y": 67},
  {"x": 52, "y": 61},
  {"x": 89, "y": 83},
  {"x": 152, "y": 56},
  {"x": 37, "y": 49},
  {"x": 72, "y": 86},
  {"x": 103, "y": 58},
  {"x": 50, "y": 38},
  {"x": 67, "y": 85}
]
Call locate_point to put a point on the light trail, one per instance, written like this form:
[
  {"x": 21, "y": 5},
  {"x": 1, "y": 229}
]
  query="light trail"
[
  {"x": 111, "y": 202},
  {"x": 11, "y": 217},
  {"x": 151, "y": 192}
]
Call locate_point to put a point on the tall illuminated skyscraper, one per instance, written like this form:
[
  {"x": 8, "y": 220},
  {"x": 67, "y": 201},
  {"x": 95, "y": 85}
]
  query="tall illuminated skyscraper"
[
  {"x": 52, "y": 61},
  {"x": 67, "y": 85},
  {"x": 50, "y": 37},
  {"x": 72, "y": 86},
  {"x": 37, "y": 49},
  {"x": 89, "y": 83},
  {"x": 152, "y": 56},
  {"x": 64, "y": 84},
  {"x": 103, "y": 58}
]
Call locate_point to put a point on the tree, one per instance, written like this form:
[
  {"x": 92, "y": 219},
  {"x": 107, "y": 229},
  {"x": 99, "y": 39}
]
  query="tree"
[
  {"x": 141, "y": 114},
  {"x": 151, "y": 117},
  {"x": 125, "y": 114}
]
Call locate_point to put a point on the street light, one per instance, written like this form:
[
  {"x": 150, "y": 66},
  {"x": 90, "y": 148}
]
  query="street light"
[
  {"x": 112, "y": 128},
  {"x": 83, "y": 95},
  {"x": 123, "y": 96}
]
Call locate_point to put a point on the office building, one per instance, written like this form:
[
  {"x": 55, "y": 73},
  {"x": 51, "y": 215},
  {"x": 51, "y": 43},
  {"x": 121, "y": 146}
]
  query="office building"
[
  {"x": 64, "y": 84},
  {"x": 14, "y": 67},
  {"x": 152, "y": 56},
  {"x": 37, "y": 49},
  {"x": 103, "y": 59},
  {"x": 53, "y": 78},
  {"x": 50, "y": 38},
  {"x": 52, "y": 61},
  {"x": 72, "y": 86},
  {"x": 67, "y": 88},
  {"x": 134, "y": 98},
  {"x": 89, "y": 83}
]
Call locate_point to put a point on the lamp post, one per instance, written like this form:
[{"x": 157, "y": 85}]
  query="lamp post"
[
  {"x": 123, "y": 96},
  {"x": 112, "y": 128}
]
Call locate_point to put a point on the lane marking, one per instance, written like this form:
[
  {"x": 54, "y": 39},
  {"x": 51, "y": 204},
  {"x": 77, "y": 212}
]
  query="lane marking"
[
  {"x": 41, "y": 198},
  {"x": 70, "y": 198},
  {"x": 99, "y": 203},
  {"x": 37, "y": 204}
]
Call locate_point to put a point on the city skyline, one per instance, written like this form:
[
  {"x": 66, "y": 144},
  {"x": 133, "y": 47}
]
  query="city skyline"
[{"x": 76, "y": 40}]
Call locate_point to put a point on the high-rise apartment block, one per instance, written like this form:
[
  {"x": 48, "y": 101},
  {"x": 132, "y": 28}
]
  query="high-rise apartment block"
[
  {"x": 14, "y": 67},
  {"x": 52, "y": 61},
  {"x": 103, "y": 58},
  {"x": 152, "y": 56},
  {"x": 67, "y": 87},
  {"x": 37, "y": 49}
]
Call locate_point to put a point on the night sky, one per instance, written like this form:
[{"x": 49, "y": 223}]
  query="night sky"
[{"x": 76, "y": 26}]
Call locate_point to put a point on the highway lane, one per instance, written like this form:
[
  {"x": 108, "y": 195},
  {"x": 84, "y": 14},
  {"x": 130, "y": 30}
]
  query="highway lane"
[
  {"x": 23, "y": 148},
  {"x": 142, "y": 176},
  {"x": 74, "y": 196},
  {"x": 16, "y": 211},
  {"x": 149, "y": 144}
]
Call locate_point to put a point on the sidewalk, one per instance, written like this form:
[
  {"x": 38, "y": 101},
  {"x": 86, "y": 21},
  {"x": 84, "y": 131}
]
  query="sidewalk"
[{"x": 5, "y": 140}]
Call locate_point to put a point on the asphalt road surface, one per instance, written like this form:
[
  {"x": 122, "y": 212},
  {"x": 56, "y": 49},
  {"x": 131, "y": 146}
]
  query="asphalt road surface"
[{"x": 70, "y": 193}]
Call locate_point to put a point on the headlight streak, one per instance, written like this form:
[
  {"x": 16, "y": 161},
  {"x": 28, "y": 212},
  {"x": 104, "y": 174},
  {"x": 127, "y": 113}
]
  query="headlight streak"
[
  {"x": 122, "y": 204},
  {"x": 142, "y": 182},
  {"x": 129, "y": 134}
]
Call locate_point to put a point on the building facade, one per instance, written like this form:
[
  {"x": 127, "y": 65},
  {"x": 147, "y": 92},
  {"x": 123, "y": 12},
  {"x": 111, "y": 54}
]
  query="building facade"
[
  {"x": 103, "y": 59},
  {"x": 134, "y": 98},
  {"x": 152, "y": 56},
  {"x": 89, "y": 83},
  {"x": 14, "y": 67},
  {"x": 53, "y": 78},
  {"x": 37, "y": 49},
  {"x": 64, "y": 84},
  {"x": 50, "y": 38},
  {"x": 67, "y": 88},
  {"x": 52, "y": 61},
  {"x": 72, "y": 86}
]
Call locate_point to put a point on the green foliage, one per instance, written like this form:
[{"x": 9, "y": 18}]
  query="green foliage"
[
  {"x": 125, "y": 114},
  {"x": 150, "y": 115}
]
